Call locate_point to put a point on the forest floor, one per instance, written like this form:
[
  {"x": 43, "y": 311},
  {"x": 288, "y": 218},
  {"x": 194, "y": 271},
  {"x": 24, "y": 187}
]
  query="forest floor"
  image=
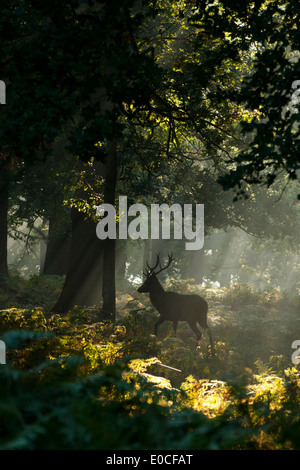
[{"x": 73, "y": 381}]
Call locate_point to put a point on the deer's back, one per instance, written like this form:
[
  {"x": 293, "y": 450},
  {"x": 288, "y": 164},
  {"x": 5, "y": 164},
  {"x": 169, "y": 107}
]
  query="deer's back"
[{"x": 181, "y": 307}]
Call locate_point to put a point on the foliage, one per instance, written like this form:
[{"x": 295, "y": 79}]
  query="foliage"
[
  {"x": 36, "y": 290},
  {"x": 74, "y": 382},
  {"x": 271, "y": 30}
]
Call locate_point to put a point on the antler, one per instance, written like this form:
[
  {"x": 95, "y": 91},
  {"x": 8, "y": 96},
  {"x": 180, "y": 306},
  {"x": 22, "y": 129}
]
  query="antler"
[
  {"x": 152, "y": 270},
  {"x": 156, "y": 264}
]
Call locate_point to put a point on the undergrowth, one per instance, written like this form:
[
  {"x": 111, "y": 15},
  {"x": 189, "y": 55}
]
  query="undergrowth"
[{"x": 75, "y": 382}]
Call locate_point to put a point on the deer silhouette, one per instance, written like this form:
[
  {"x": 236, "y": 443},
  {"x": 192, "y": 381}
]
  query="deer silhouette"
[{"x": 173, "y": 306}]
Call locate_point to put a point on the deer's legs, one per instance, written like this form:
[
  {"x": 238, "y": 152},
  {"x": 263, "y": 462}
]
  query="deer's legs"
[
  {"x": 198, "y": 333},
  {"x": 175, "y": 323},
  {"x": 159, "y": 322}
]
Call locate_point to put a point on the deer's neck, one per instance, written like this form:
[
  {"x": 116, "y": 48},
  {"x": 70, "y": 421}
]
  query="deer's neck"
[{"x": 156, "y": 292}]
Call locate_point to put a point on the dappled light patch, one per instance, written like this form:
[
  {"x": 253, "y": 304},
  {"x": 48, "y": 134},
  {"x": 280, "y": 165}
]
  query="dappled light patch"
[{"x": 211, "y": 397}]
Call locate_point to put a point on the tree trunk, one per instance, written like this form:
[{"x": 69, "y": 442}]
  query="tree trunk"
[
  {"x": 196, "y": 265},
  {"x": 121, "y": 258},
  {"x": 109, "y": 255},
  {"x": 222, "y": 272},
  {"x": 58, "y": 247},
  {"x": 84, "y": 275},
  {"x": 4, "y": 276}
]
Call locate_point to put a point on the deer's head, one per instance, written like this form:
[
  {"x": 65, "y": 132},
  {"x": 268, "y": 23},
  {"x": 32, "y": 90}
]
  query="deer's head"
[{"x": 151, "y": 274}]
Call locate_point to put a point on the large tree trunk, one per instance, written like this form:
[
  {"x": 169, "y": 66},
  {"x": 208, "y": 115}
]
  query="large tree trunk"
[
  {"x": 4, "y": 276},
  {"x": 109, "y": 256},
  {"x": 58, "y": 247},
  {"x": 84, "y": 275},
  {"x": 91, "y": 269}
]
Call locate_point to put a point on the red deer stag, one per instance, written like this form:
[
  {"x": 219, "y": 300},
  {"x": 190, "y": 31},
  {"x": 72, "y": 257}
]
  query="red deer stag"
[{"x": 175, "y": 307}]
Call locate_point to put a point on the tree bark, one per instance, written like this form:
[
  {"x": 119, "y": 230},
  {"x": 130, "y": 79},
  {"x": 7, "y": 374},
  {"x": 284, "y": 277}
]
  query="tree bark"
[
  {"x": 109, "y": 255},
  {"x": 121, "y": 258},
  {"x": 58, "y": 247},
  {"x": 84, "y": 274}
]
